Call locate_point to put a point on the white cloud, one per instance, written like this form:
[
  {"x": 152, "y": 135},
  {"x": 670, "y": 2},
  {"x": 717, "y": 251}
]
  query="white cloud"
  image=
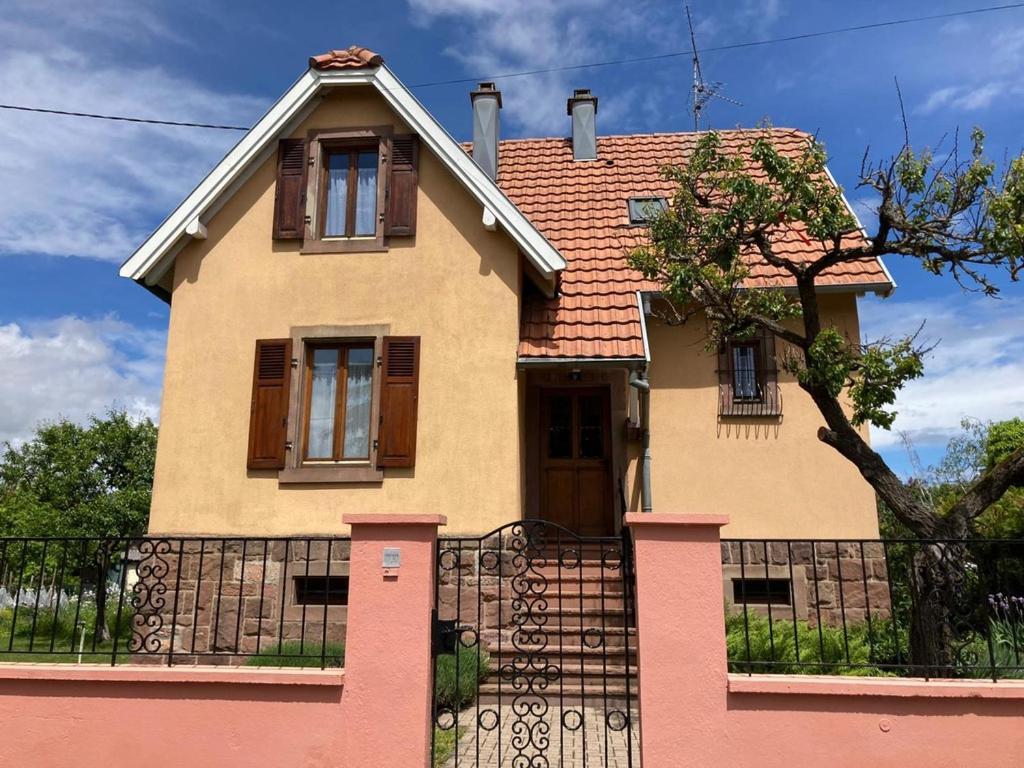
[
  {"x": 976, "y": 370},
  {"x": 72, "y": 367},
  {"x": 966, "y": 98},
  {"x": 523, "y": 35},
  {"x": 78, "y": 187},
  {"x": 989, "y": 76}
]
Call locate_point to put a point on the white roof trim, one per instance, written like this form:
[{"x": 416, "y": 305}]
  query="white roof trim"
[
  {"x": 643, "y": 325},
  {"x": 885, "y": 270},
  {"x": 283, "y": 116}
]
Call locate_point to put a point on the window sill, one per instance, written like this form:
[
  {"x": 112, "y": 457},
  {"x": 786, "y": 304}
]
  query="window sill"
[
  {"x": 354, "y": 245},
  {"x": 749, "y": 412},
  {"x": 364, "y": 473}
]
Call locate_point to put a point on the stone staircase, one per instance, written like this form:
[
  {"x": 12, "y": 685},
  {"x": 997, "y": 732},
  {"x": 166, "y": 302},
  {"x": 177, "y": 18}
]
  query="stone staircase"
[{"x": 557, "y": 626}]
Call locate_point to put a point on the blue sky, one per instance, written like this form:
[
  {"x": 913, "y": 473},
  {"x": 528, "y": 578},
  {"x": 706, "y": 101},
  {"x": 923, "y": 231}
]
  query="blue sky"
[{"x": 77, "y": 196}]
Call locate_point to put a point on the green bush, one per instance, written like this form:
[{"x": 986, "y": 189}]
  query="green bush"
[
  {"x": 292, "y": 653},
  {"x": 756, "y": 645},
  {"x": 1007, "y": 654},
  {"x": 455, "y": 691}
]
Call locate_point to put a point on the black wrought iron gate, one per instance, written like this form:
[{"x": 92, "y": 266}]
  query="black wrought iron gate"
[{"x": 535, "y": 650}]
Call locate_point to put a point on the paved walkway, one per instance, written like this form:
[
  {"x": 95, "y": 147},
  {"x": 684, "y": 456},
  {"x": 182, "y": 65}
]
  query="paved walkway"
[{"x": 562, "y": 741}]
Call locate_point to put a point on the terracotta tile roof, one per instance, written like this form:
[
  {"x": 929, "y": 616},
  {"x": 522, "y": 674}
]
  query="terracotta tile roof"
[
  {"x": 353, "y": 57},
  {"x": 580, "y": 206}
]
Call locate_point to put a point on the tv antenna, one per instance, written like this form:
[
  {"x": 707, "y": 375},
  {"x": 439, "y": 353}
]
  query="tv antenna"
[{"x": 702, "y": 92}]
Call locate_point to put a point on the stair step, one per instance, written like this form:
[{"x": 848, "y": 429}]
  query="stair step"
[
  {"x": 569, "y": 669},
  {"x": 567, "y": 651},
  {"x": 591, "y": 692}
]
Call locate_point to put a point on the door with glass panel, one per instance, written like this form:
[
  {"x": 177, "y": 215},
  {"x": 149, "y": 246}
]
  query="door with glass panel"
[
  {"x": 575, "y": 460},
  {"x": 339, "y": 386}
]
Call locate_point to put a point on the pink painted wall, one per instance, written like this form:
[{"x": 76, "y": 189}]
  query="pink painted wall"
[
  {"x": 375, "y": 713},
  {"x": 101, "y": 716},
  {"x": 693, "y": 713}
]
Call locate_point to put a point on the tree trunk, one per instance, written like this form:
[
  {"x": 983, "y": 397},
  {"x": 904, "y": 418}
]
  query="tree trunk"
[
  {"x": 936, "y": 586},
  {"x": 102, "y": 562}
]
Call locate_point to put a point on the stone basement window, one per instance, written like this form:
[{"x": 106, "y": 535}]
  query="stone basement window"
[
  {"x": 761, "y": 591},
  {"x": 321, "y": 590}
]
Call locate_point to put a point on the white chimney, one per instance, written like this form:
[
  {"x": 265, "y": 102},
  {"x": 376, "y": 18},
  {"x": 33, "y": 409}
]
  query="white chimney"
[
  {"x": 486, "y": 101},
  {"x": 583, "y": 108}
]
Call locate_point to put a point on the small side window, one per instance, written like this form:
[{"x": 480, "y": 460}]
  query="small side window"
[{"x": 748, "y": 379}]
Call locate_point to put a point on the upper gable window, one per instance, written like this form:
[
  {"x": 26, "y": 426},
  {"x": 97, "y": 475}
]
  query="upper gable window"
[
  {"x": 347, "y": 189},
  {"x": 643, "y": 209},
  {"x": 350, "y": 193}
]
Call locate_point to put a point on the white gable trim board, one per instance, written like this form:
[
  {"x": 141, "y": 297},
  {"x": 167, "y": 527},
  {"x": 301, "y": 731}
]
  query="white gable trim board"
[{"x": 154, "y": 257}]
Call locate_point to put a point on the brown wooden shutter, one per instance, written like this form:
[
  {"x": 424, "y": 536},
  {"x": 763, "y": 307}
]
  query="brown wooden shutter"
[
  {"x": 724, "y": 378},
  {"x": 290, "y": 196},
  {"x": 268, "y": 416},
  {"x": 400, "y": 381},
  {"x": 400, "y": 220}
]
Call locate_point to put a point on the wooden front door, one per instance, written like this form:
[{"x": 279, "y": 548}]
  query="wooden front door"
[{"x": 575, "y": 460}]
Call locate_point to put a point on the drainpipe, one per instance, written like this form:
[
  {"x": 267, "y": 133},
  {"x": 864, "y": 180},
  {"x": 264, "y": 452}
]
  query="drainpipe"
[{"x": 639, "y": 381}]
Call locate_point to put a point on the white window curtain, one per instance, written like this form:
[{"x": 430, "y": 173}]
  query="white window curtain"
[
  {"x": 337, "y": 195},
  {"x": 366, "y": 194},
  {"x": 357, "y": 403},
  {"x": 320, "y": 442},
  {"x": 744, "y": 372}
]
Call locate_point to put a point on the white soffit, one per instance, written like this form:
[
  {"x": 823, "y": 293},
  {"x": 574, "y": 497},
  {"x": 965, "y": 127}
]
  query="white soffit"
[{"x": 153, "y": 258}]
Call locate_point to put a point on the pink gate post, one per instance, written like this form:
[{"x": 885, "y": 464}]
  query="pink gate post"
[
  {"x": 388, "y": 677},
  {"x": 681, "y": 642}
]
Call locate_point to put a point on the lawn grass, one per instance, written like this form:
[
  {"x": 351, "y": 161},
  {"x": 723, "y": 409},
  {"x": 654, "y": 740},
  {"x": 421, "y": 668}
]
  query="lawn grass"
[
  {"x": 444, "y": 744},
  {"x": 32, "y": 644},
  {"x": 292, "y": 653}
]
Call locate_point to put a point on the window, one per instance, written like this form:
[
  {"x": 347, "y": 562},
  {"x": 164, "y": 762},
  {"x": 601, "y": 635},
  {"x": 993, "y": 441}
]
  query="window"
[
  {"x": 339, "y": 386},
  {"x": 321, "y": 590},
  {"x": 760, "y": 591},
  {"x": 748, "y": 378},
  {"x": 341, "y": 410},
  {"x": 350, "y": 193},
  {"x": 346, "y": 190},
  {"x": 643, "y": 209},
  {"x": 746, "y": 383}
]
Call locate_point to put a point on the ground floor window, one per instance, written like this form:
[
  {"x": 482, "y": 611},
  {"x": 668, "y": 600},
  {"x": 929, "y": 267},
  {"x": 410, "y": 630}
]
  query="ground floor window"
[{"x": 339, "y": 386}]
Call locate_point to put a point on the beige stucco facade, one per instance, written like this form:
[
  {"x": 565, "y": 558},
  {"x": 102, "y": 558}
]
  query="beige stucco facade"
[
  {"x": 457, "y": 286},
  {"x": 772, "y": 477}
]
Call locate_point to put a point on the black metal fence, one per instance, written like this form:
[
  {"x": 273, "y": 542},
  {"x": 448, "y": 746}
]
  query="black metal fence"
[
  {"x": 256, "y": 601},
  {"x": 921, "y": 608}
]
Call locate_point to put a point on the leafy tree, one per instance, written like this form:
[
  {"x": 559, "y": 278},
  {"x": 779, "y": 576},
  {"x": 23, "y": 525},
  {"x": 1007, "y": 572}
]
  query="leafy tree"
[
  {"x": 949, "y": 212},
  {"x": 91, "y": 481}
]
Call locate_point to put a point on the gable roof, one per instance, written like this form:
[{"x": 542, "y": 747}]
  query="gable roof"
[
  {"x": 351, "y": 67},
  {"x": 581, "y": 207}
]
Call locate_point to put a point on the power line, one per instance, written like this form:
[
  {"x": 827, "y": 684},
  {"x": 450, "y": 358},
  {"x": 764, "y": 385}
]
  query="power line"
[
  {"x": 728, "y": 46},
  {"x": 122, "y": 118},
  {"x": 567, "y": 68}
]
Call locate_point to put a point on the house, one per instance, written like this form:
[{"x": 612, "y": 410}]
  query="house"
[{"x": 368, "y": 316}]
